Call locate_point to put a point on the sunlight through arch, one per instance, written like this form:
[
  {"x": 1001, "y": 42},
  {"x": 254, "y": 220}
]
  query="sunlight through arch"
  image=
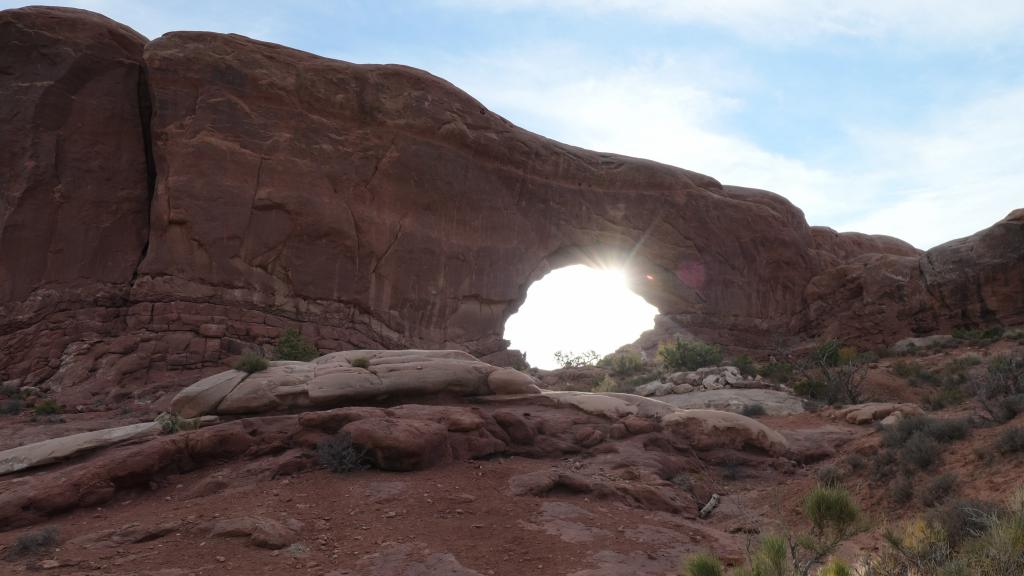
[{"x": 575, "y": 309}]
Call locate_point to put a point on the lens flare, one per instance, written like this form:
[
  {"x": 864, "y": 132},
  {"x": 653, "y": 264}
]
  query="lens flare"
[{"x": 576, "y": 309}]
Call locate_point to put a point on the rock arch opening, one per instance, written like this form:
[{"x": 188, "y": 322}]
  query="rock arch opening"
[{"x": 577, "y": 309}]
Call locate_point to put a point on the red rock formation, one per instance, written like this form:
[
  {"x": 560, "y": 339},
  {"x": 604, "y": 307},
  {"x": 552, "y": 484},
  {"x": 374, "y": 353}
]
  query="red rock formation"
[{"x": 376, "y": 207}]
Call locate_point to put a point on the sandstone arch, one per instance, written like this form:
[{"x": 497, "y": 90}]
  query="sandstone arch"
[{"x": 378, "y": 207}]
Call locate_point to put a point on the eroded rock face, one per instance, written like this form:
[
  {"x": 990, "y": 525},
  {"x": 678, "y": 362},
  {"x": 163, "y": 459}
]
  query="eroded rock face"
[{"x": 378, "y": 207}]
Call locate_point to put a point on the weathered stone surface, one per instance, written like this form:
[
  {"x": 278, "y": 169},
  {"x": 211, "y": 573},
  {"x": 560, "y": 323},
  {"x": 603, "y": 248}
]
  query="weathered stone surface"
[
  {"x": 204, "y": 396},
  {"x": 862, "y": 414},
  {"x": 58, "y": 449},
  {"x": 74, "y": 202},
  {"x": 401, "y": 444},
  {"x": 261, "y": 532},
  {"x": 708, "y": 429},
  {"x": 332, "y": 380}
]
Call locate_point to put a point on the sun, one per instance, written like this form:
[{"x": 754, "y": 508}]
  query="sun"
[{"x": 576, "y": 309}]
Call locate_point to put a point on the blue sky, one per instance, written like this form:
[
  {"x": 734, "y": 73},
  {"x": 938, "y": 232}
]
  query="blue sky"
[{"x": 899, "y": 117}]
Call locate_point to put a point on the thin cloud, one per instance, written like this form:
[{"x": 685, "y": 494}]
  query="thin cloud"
[{"x": 935, "y": 22}]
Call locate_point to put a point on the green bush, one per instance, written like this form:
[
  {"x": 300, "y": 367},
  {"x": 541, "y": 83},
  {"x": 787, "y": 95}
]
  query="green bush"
[
  {"x": 831, "y": 510},
  {"x": 781, "y": 372},
  {"x": 361, "y": 362},
  {"x": 703, "y": 565},
  {"x": 292, "y": 346},
  {"x": 836, "y": 567},
  {"x": 623, "y": 363},
  {"x": 813, "y": 389},
  {"x": 172, "y": 423},
  {"x": 835, "y": 518},
  {"x": 251, "y": 362},
  {"x": 959, "y": 540},
  {"x": 689, "y": 355},
  {"x": 32, "y": 544},
  {"x": 339, "y": 455},
  {"x": 11, "y": 407},
  {"x": 833, "y": 373},
  {"x": 979, "y": 335},
  {"x": 745, "y": 365},
  {"x": 46, "y": 407},
  {"x": 576, "y": 360}
]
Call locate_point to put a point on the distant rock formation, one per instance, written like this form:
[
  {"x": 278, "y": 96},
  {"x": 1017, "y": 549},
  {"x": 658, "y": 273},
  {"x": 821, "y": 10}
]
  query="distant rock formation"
[{"x": 165, "y": 204}]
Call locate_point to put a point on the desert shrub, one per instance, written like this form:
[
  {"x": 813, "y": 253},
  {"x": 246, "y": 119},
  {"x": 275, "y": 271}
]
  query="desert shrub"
[
  {"x": 834, "y": 373},
  {"x": 836, "y": 567},
  {"x": 902, "y": 490},
  {"x": 576, "y": 360},
  {"x": 752, "y": 410},
  {"x": 938, "y": 429},
  {"x": 623, "y": 363},
  {"x": 834, "y": 517},
  {"x": 855, "y": 463},
  {"x": 689, "y": 355},
  {"x": 11, "y": 407},
  {"x": 339, "y": 455},
  {"x": 172, "y": 423},
  {"x": 920, "y": 452},
  {"x": 10, "y": 390},
  {"x": 963, "y": 519},
  {"x": 32, "y": 544},
  {"x": 361, "y": 362},
  {"x": 831, "y": 510},
  {"x": 745, "y": 365},
  {"x": 810, "y": 388},
  {"x": 46, "y": 407},
  {"x": 830, "y": 476},
  {"x": 979, "y": 335},
  {"x": 914, "y": 372},
  {"x": 965, "y": 538},
  {"x": 251, "y": 362},
  {"x": 1010, "y": 441},
  {"x": 703, "y": 565},
  {"x": 883, "y": 464},
  {"x": 777, "y": 371},
  {"x": 292, "y": 346},
  {"x": 944, "y": 397},
  {"x": 1001, "y": 390},
  {"x": 608, "y": 384},
  {"x": 938, "y": 489}
]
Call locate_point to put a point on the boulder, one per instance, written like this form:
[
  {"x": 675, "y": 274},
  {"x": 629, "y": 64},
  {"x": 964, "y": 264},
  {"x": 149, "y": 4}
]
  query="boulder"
[
  {"x": 710, "y": 429},
  {"x": 401, "y": 444},
  {"x": 908, "y": 344},
  {"x": 261, "y": 532},
  {"x": 656, "y": 388},
  {"x": 862, "y": 414}
]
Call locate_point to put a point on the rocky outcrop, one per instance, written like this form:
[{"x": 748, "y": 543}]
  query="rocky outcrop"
[
  {"x": 168, "y": 204},
  {"x": 349, "y": 378}
]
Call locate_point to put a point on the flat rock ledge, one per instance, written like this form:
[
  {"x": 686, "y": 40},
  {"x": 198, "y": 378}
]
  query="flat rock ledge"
[{"x": 349, "y": 378}]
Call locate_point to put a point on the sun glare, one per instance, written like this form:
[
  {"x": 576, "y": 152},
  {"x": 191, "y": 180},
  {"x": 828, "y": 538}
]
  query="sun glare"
[{"x": 576, "y": 309}]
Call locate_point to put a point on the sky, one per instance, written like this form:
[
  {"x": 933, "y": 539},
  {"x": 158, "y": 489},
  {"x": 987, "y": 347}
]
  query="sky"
[{"x": 898, "y": 117}]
